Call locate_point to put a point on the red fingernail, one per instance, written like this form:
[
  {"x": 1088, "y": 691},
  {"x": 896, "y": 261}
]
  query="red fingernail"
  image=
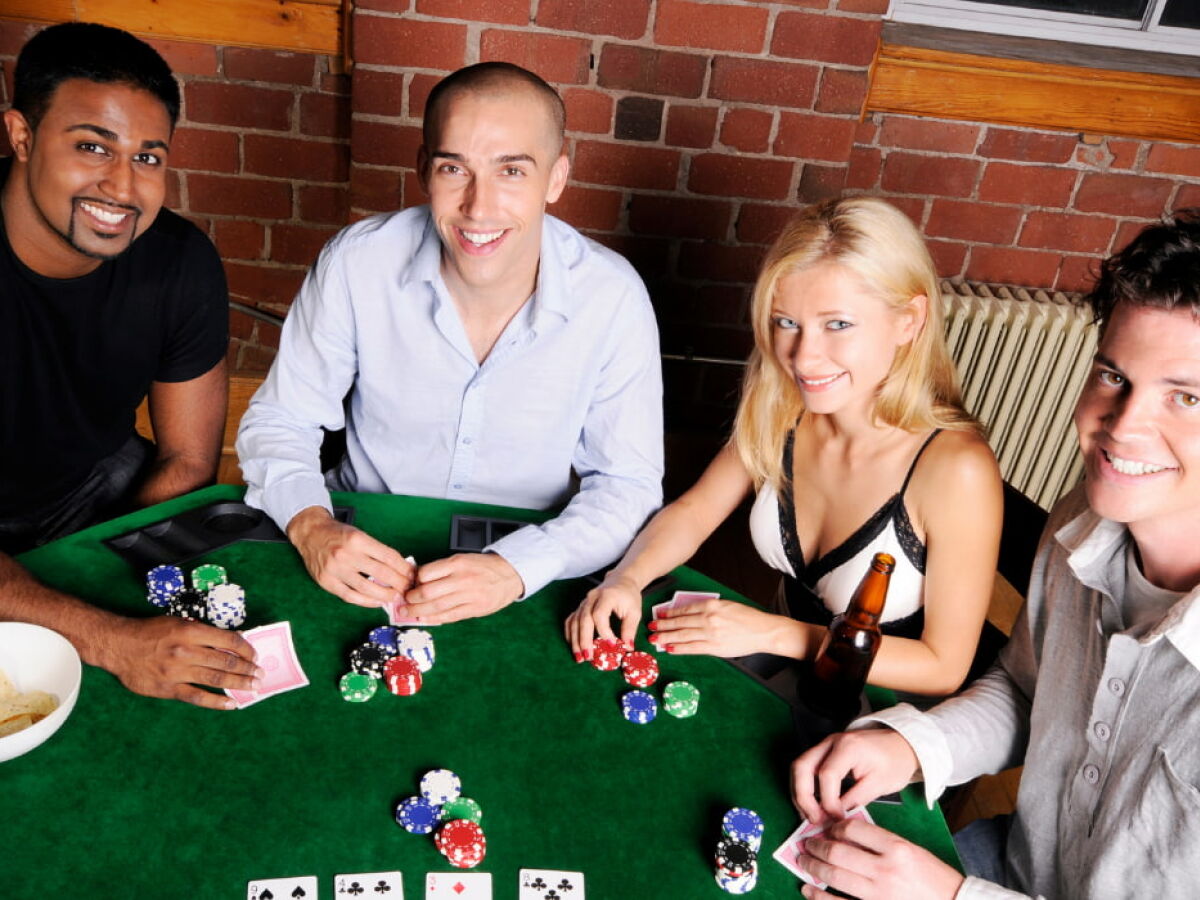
[
  {"x": 578, "y": 656},
  {"x": 652, "y": 626},
  {"x": 653, "y": 638},
  {"x": 670, "y": 648}
]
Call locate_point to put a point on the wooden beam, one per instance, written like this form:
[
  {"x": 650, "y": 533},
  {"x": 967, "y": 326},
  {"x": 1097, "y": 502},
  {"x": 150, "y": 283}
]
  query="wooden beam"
[{"x": 947, "y": 85}]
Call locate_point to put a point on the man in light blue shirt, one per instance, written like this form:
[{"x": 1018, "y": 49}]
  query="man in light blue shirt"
[{"x": 474, "y": 349}]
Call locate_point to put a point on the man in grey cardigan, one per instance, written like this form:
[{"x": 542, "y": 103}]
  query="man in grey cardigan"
[{"x": 1096, "y": 691}]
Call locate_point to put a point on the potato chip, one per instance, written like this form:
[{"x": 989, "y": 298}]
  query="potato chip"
[
  {"x": 19, "y": 711},
  {"x": 15, "y": 724}
]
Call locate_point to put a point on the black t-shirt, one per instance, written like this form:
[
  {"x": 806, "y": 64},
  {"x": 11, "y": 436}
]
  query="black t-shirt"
[{"x": 78, "y": 355}]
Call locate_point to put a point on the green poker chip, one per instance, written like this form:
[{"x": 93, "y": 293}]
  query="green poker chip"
[
  {"x": 207, "y": 576},
  {"x": 357, "y": 687},
  {"x": 681, "y": 699},
  {"x": 462, "y": 808}
]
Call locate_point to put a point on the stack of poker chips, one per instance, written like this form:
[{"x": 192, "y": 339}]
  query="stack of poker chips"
[
  {"x": 681, "y": 699},
  {"x": 639, "y": 707},
  {"x": 737, "y": 851},
  {"x": 640, "y": 670},
  {"x": 394, "y": 656},
  {"x": 453, "y": 819},
  {"x": 211, "y": 598}
]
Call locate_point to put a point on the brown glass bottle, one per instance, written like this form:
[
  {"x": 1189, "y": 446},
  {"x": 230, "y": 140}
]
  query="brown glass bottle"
[{"x": 832, "y": 686}]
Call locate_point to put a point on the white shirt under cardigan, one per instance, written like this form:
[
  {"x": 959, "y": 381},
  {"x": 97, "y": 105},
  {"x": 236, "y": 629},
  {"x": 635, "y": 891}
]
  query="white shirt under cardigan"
[
  {"x": 1107, "y": 723},
  {"x": 572, "y": 388}
]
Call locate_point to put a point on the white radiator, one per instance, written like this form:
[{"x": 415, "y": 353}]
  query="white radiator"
[{"x": 1023, "y": 357}]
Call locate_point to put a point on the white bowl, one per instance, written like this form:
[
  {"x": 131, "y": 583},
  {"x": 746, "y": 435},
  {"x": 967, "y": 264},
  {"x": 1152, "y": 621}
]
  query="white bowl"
[{"x": 38, "y": 659}]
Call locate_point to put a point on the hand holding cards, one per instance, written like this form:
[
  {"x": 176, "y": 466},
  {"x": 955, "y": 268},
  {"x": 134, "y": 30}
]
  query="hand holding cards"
[
  {"x": 276, "y": 656},
  {"x": 789, "y": 852}
]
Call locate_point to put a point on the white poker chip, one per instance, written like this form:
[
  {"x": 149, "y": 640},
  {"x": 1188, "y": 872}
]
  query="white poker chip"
[
  {"x": 417, "y": 645},
  {"x": 440, "y": 786}
]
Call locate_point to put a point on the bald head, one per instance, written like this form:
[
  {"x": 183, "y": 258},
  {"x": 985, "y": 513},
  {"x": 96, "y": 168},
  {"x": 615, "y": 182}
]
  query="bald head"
[{"x": 499, "y": 80}]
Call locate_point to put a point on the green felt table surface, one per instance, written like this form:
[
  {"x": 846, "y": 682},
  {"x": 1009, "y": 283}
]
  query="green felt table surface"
[{"x": 136, "y": 797}]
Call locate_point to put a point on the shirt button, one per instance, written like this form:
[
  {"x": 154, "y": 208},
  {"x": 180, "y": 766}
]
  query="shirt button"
[
  {"x": 1102, "y": 731},
  {"x": 1117, "y": 686},
  {"x": 466, "y": 441},
  {"x": 457, "y": 487},
  {"x": 1091, "y": 774}
]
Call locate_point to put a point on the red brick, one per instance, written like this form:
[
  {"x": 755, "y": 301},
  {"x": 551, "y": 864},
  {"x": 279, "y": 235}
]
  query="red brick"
[
  {"x": 325, "y": 115},
  {"x": 691, "y": 126},
  {"x": 376, "y": 190},
  {"x": 809, "y": 4},
  {"x": 1066, "y": 231},
  {"x": 239, "y": 238},
  {"x": 505, "y": 12},
  {"x": 738, "y": 176},
  {"x": 588, "y": 111},
  {"x": 1027, "y": 146},
  {"x": 187, "y": 58},
  {"x": 909, "y": 173},
  {"x": 760, "y": 223},
  {"x": 298, "y": 244},
  {"x": 1126, "y": 232},
  {"x": 204, "y": 148},
  {"x": 384, "y": 144},
  {"x": 867, "y": 132},
  {"x": 419, "y": 90},
  {"x": 393, "y": 6},
  {"x": 719, "y": 262},
  {"x": 841, "y": 91},
  {"x": 202, "y": 222},
  {"x": 649, "y": 168},
  {"x": 747, "y": 130},
  {"x": 627, "y": 19},
  {"x": 323, "y": 203},
  {"x": 377, "y": 93},
  {"x": 763, "y": 81},
  {"x": 1123, "y": 195},
  {"x": 948, "y": 257},
  {"x": 1032, "y": 185},
  {"x": 814, "y": 137},
  {"x": 1093, "y": 156},
  {"x": 1124, "y": 153},
  {"x": 14, "y": 35},
  {"x": 1005, "y": 265},
  {"x": 712, "y": 26},
  {"x": 1188, "y": 197},
  {"x": 225, "y": 196},
  {"x": 589, "y": 208},
  {"x": 824, "y": 37},
  {"x": 647, "y": 71},
  {"x": 1077, "y": 273},
  {"x": 866, "y": 165},
  {"x": 404, "y": 42},
  {"x": 913, "y": 207},
  {"x": 241, "y": 325},
  {"x": 276, "y": 66},
  {"x": 282, "y": 157},
  {"x": 264, "y": 285},
  {"x": 682, "y": 217},
  {"x": 331, "y": 82},
  {"x": 412, "y": 192},
  {"x": 965, "y": 220},
  {"x": 173, "y": 200},
  {"x": 1174, "y": 160},
  {"x": 863, "y": 6},
  {"x": 820, "y": 182},
  {"x": 238, "y": 104},
  {"x": 927, "y": 134},
  {"x": 559, "y": 59}
]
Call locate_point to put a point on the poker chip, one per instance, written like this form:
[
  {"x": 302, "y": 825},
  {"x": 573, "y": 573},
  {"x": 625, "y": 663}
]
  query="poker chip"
[
  {"x": 402, "y": 676},
  {"x": 681, "y": 699},
  {"x": 440, "y": 786},
  {"x": 743, "y": 825},
  {"x": 163, "y": 583},
  {"x": 369, "y": 659},
  {"x": 463, "y": 808},
  {"x": 735, "y": 857},
  {"x": 207, "y": 576},
  {"x": 738, "y": 884},
  {"x": 226, "y": 605},
  {"x": 607, "y": 654},
  {"x": 417, "y": 815},
  {"x": 640, "y": 669},
  {"x": 188, "y": 604},
  {"x": 385, "y": 637},
  {"x": 417, "y": 645},
  {"x": 356, "y": 687},
  {"x": 639, "y": 707},
  {"x": 462, "y": 842}
]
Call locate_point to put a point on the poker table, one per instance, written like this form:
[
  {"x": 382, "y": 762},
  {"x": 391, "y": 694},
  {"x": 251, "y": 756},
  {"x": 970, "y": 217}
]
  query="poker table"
[{"x": 137, "y": 797}]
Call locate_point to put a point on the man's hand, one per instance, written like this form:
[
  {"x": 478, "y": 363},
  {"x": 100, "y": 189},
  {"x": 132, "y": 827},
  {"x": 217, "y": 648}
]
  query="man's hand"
[
  {"x": 871, "y": 863},
  {"x": 349, "y": 563},
  {"x": 616, "y": 596},
  {"x": 878, "y": 760},
  {"x": 167, "y": 657},
  {"x": 716, "y": 627},
  {"x": 463, "y": 586}
]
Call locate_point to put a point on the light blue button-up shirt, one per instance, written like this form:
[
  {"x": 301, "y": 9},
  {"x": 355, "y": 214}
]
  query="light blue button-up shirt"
[{"x": 573, "y": 387}]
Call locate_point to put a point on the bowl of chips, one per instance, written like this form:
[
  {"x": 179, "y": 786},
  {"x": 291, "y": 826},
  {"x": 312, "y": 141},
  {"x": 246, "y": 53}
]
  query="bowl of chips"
[{"x": 39, "y": 682}]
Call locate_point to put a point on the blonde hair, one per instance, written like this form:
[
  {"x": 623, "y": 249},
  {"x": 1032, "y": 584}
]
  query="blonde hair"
[{"x": 879, "y": 244}]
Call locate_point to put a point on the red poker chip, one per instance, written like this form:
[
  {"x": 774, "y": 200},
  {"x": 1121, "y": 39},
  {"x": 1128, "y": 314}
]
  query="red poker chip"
[
  {"x": 641, "y": 669},
  {"x": 402, "y": 676},
  {"x": 607, "y": 654},
  {"x": 462, "y": 842}
]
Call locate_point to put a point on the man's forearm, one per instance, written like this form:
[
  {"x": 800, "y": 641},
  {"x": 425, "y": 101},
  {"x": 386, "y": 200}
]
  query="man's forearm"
[{"x": 173, "y": 476}]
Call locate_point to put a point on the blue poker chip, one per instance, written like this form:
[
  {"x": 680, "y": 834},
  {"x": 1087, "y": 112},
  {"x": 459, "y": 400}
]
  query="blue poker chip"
[
  {"x": 639, "y": 707},
  {"x": 745, "y": 825},
  {"x": 416, "y": 815},
  {"x": 385, "y": 636}
]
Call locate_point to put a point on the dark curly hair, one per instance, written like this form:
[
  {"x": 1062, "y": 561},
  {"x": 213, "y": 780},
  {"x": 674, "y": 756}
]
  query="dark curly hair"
[{"x": 1159, "y": 268}]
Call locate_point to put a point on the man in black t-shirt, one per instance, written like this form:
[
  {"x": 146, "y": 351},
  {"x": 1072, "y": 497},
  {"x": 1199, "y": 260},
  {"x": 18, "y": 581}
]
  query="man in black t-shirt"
[{"x": 105, "y": 298}]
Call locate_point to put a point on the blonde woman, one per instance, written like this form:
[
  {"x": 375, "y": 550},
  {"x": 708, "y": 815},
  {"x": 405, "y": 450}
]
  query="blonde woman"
[{"x": 852, "y": 433}]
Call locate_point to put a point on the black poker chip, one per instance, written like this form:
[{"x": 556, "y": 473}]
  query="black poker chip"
[
  {"x": 735, "y": 857},
  {"x": 188, "y": 604},
  {"x": 369, "y": 659}
]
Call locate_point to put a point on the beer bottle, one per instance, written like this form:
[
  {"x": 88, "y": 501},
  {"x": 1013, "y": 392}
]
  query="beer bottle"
[{"x": 832, "y": 686}]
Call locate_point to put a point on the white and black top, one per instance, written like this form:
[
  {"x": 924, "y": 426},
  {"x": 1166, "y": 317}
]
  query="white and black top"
[{"x": 817, "y": 592}]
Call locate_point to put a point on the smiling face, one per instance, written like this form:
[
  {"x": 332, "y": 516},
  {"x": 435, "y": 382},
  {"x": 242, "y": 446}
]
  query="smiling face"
[
  {"x": 1139, "y": 422},
  {"x": 836, "y": 338},
  {"x": 495, "y": 165}
]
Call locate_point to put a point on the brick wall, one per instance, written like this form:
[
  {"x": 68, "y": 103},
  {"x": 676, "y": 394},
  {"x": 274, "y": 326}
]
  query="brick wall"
[{"x": 694, "y": 128}]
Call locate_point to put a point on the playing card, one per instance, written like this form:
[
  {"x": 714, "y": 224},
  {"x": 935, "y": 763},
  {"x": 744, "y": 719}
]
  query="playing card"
[
  {"x": 789, "y": 851},
  {"x": 679, "y": 600},
  {"x": 301, "y": 887},
  {"x": 458, "y": 885},
  {"x": 276, "y": 656},
  {"x": 398, "y": 613},
  {"x": 550, "y": 884},
  {"x": 369, "y": 886}
]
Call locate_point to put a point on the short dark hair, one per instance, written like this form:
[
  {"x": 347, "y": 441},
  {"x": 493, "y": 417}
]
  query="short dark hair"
[
  {"x": 488, "y": 77},
  {"x": 1160, "y": 268},
  {"x": 93, "y": 52}
]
